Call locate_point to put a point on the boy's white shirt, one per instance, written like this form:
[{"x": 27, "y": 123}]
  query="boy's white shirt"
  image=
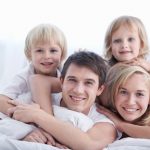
[{"x": 19, "y": 90}]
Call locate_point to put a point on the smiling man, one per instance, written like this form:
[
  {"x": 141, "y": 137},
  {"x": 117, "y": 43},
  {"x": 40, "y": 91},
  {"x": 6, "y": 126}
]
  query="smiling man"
[{"x": 83, "y": 78}]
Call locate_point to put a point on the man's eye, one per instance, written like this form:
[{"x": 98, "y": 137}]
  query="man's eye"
[
  {"x": 89, "y": 83},
  {"x": 72, "y": 80}
]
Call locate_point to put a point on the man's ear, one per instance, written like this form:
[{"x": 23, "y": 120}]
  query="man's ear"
[
  {"x": 100, "y": 90},
  {"x": 61, "y": 80}
]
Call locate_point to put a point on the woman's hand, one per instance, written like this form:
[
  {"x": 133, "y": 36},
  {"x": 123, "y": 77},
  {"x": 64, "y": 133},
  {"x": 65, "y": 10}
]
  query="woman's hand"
[{"x": 111, "y": 115}]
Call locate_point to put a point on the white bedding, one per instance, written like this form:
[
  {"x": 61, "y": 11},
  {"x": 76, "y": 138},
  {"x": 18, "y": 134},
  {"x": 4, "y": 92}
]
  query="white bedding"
[{"x": 123, "y": 144}]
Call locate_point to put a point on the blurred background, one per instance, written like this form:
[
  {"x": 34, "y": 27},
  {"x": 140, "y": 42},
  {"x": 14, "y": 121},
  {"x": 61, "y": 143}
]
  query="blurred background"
[{"x": 84, "y": 23}]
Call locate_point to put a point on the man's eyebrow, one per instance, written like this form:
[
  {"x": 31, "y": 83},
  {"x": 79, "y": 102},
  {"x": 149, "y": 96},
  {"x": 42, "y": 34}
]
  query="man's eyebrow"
[{"x": 91, "y": 80}]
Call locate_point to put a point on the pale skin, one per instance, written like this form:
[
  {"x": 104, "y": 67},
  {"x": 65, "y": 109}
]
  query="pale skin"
[
  {"x": 126, "y": 46},
  {"x": 131, "y": 103},
  {"x": 77, "y": 87},
  {"x": 45, "y": 59}
]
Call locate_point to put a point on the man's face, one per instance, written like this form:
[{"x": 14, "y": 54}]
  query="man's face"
[{"x": 80, "y": 88}]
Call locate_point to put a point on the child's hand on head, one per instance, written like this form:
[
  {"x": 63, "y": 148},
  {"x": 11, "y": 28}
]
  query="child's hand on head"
[{"x": 140, "y": 62}]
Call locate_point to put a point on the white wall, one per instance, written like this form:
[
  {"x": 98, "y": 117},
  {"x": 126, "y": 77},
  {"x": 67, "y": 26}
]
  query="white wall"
[{"x": 83, "y": 21}]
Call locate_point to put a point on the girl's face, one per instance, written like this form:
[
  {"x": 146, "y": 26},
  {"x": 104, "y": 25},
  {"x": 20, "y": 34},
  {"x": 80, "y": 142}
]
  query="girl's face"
[
  {"x": 125, "y": 44},
  {"x": 132, "y": 98},
  {"x": 46, "y": 58}
]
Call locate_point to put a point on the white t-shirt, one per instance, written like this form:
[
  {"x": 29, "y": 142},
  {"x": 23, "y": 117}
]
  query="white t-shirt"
[{"x": 19, "y": 89}]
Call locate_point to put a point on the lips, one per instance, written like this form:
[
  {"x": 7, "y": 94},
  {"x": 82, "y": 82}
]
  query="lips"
[
  {"x": 125, "y": 52},
  {"x": 77, "y": 98},
  {"x": 47, "y": 63},
  {"x": 130, "y": 110}
]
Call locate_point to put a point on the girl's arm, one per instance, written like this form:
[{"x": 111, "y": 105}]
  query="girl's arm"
[
  {"x": 99, "y": 136},
  {"x": 131, "y": 130},
  {"x": 41, "y": 89},
  {"x": 140, "y": 62}
]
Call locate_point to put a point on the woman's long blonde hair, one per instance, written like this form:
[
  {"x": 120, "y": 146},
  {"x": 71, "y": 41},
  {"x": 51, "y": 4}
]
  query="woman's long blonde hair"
[{"x": 116, "y": 77}]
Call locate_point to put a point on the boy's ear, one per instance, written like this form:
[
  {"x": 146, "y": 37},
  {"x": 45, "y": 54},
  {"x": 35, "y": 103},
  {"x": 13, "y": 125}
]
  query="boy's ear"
[{"x": 100, "y": 90}]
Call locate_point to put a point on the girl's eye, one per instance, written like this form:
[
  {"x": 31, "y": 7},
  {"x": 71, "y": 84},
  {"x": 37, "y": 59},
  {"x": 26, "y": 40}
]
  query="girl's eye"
[{"x": 131, "y": 39}]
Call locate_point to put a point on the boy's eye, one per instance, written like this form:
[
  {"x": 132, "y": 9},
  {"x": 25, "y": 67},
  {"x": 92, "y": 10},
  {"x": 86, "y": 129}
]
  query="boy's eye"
[
  {"x": 39, "y": 50},
  {"x": 117, "y": 41},
  {"x": 53, "y": 50}
]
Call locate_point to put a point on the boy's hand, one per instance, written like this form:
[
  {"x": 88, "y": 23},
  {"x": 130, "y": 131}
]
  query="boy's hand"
[{"x": 36, "y": 136}]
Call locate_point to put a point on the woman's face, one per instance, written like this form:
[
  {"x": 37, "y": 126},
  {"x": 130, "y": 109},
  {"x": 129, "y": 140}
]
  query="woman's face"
[{"x": 132, "y": 98}]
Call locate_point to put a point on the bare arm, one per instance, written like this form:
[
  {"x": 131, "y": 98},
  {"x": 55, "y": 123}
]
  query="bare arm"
[
  {"x": 41, "y": 89},
  {"x": 135, "y": 131},
  {"x": 4, "y": 105},
  {"x": 130, "y": 129},
  {"x": 140, "y": 62},
  {"x": 100, "y": 135}
]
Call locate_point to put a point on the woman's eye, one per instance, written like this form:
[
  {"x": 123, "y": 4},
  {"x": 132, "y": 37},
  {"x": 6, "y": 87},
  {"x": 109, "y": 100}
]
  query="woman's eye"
[
  {"x": 140, "y": 94},
  {"x": 123, "y": 92}
]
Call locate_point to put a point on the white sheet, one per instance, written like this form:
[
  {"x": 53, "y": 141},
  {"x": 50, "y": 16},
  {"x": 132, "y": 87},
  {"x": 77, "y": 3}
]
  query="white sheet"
[
  {"x": 123, "y": 144},
  {"x": 130, "y": 144}
]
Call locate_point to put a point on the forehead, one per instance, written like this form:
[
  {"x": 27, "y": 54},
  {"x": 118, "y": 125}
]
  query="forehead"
[
  {"x": 81, "y": 72},
  {"x": 137, "y": 80},
  {"x": 126, "y": 27}
]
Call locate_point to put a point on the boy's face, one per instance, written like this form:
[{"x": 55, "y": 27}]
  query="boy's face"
[
  {"x": 80, "y": 88},
  {"x": 125, "y": 44},
  {"x": 46, "y": 58}
]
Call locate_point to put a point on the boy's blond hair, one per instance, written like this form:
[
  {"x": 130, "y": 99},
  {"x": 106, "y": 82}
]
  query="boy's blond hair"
[
  {"x": 116, "y": 77},
  {"x": 44, "y": 33},
  {"x": 131, "y": 23}
]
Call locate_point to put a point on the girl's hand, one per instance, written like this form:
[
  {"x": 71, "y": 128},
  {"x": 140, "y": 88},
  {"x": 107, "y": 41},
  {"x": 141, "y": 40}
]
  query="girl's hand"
[
  {"x": 112, "y": 116},
  {"x": 140, "y": 62}
]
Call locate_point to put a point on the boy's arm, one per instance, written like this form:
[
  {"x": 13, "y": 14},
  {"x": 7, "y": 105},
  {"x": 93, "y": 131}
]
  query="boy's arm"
[
  {"x": 4, "y": 105},
  {"x": 41, "y": 89}
]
